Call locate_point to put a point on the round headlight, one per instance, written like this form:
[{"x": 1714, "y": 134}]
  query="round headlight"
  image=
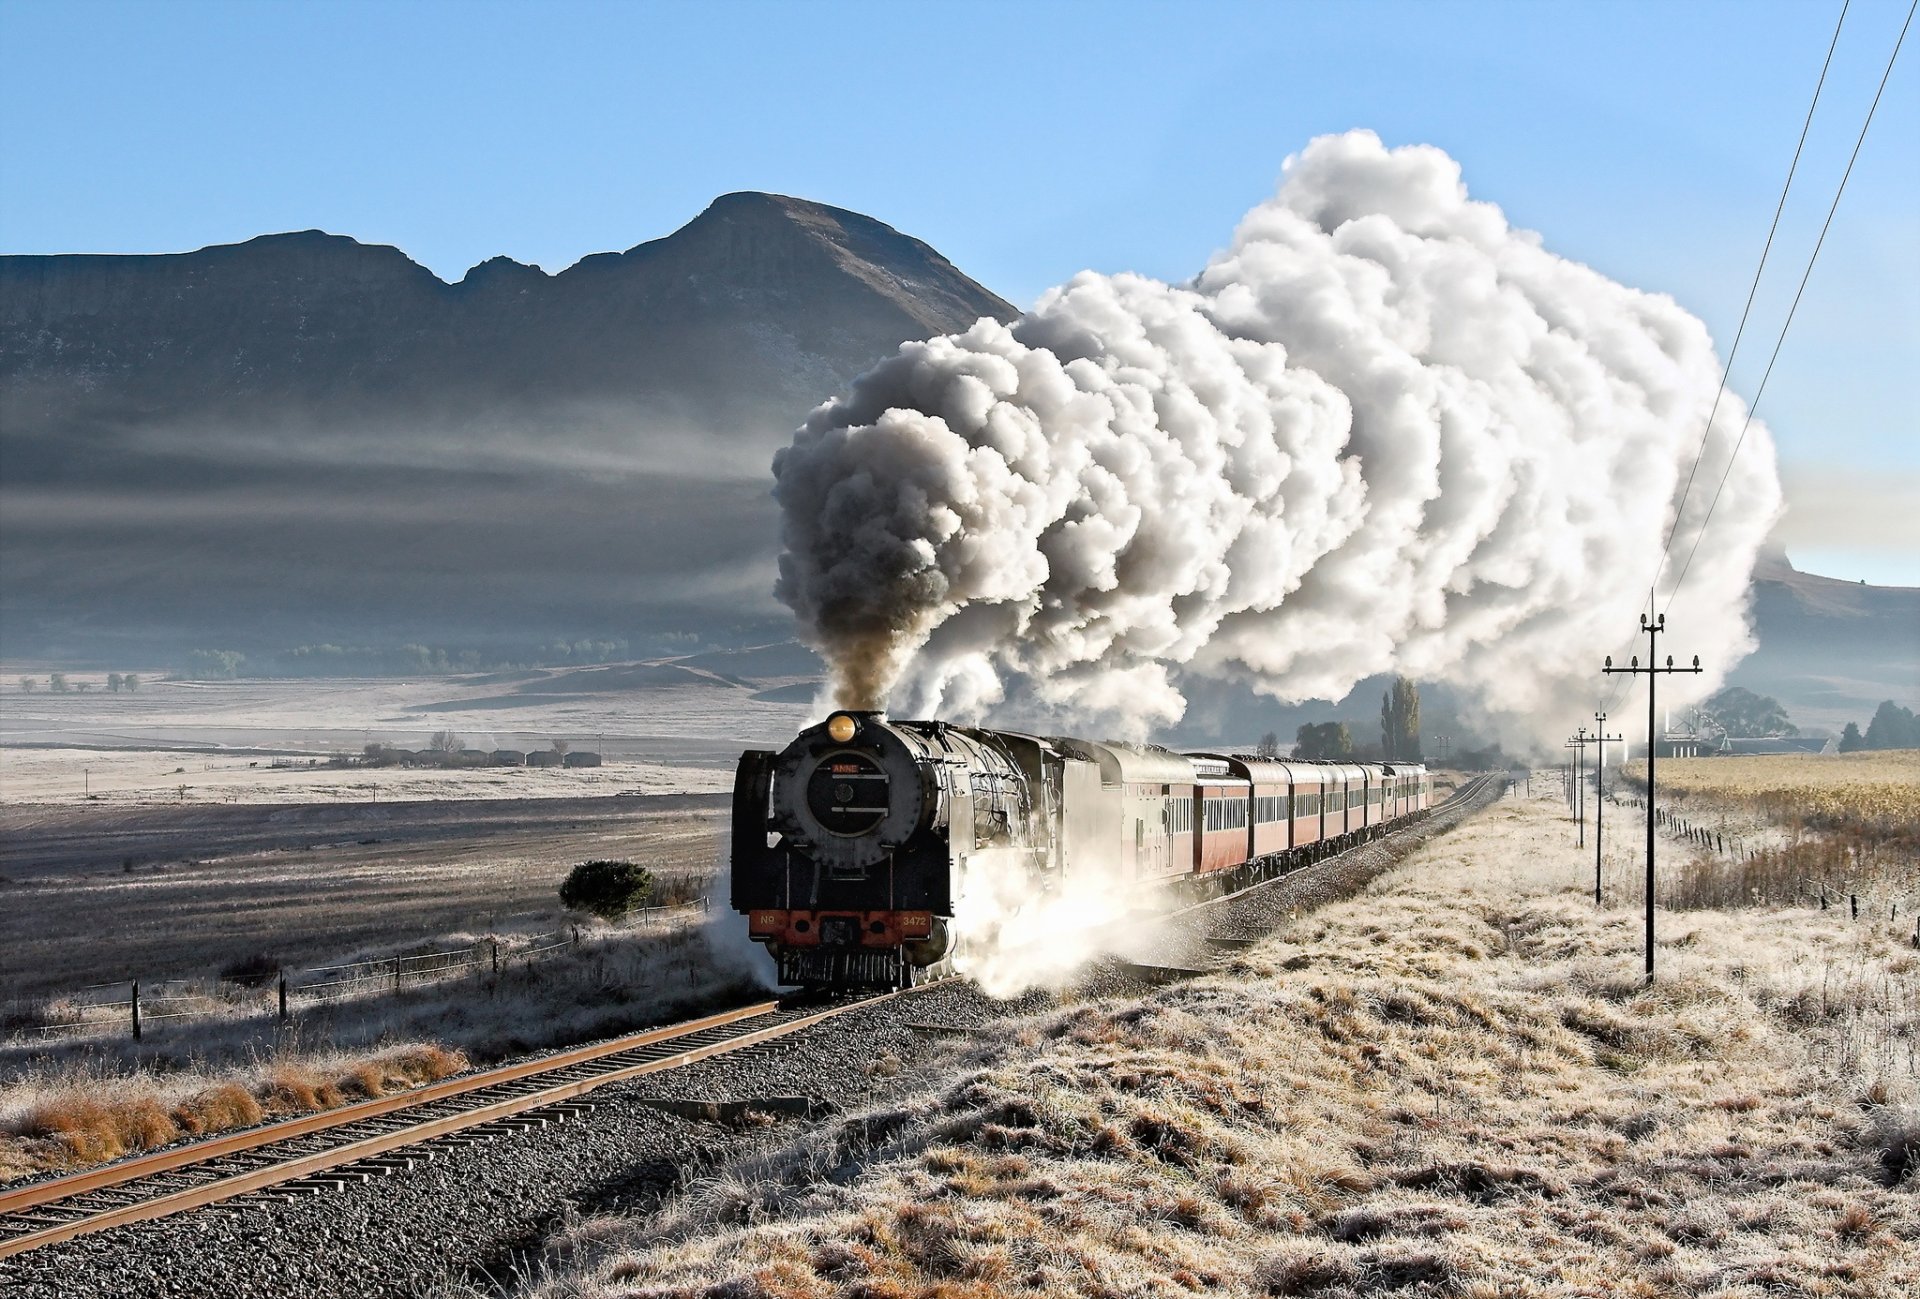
[{"x": 841, "y": 727}]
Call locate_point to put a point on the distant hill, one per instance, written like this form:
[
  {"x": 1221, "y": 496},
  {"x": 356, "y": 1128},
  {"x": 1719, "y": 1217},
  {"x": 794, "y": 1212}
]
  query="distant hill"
[
  {"x": 306, "y": 438},
  {"x": 1830, "y": 651}
]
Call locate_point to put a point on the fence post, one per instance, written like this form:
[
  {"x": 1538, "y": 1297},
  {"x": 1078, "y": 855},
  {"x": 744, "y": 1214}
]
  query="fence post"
[
  {"x": 396, "y": 974},
  {"x": 576, "y": 935},
  {"x": 495, "y": 943},
  {"x": 283, "y": 996},
  {"x": 136, "y": 1010},
  {"x": 1853, "y": 900}
]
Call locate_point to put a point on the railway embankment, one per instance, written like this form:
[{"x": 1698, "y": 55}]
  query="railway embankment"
[
  {"x": 1452, "y": 1083},
  {"x": 469, "y": 1212}
]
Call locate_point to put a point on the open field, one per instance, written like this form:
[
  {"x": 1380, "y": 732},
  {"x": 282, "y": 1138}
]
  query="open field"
[
  {"x": 1769, "y": 830},
  {"x": 1452, "y": 1085},
  {"x": 1877, "y": 792},
  {"x": 94, "y": 894},
  {"x": 663, "y": 728},
  {"x": 195, "y": 778}
]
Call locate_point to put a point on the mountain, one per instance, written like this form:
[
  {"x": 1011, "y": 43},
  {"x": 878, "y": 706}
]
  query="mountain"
[
  {"x": 303, "y": 437},
  {"x": 1830, "y": 651}
]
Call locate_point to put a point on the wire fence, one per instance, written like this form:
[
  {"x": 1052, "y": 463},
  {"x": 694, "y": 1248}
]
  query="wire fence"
[
  {"x": 1760, "y": 870},
  {"x": 133, "y": 1007}
]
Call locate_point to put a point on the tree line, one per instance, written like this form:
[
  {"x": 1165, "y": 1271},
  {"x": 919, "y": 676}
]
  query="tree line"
[
  {"x": 1892, "y": 727},
  {"x": 60, "y": 684}
]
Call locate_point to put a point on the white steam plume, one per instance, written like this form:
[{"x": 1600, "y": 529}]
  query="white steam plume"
[
  {"x": 1012, "y": 933},
  {"x": 1383, "y": 431}
]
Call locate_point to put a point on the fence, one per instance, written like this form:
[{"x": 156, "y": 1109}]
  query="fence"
[
  {"x": 1777, "y": 871},
  {"x": 135, "y": 1006}
]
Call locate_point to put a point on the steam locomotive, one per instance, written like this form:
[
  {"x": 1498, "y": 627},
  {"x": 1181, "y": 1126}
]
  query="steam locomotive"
[{"x": 850, "y": 845}]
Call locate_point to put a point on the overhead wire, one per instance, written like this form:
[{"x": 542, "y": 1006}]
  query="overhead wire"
[
  {"x": 1726, "y": 373},
  {"x": 1625, "y": 682},
  {"x": 1801, "y": 290}
]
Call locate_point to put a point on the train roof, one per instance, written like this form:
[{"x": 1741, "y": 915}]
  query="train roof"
[{"x": 1129, "y": 764}]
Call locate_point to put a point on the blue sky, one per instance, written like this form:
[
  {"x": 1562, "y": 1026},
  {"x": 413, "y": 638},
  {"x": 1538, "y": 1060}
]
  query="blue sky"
[{"x": 1027, "y": 142}]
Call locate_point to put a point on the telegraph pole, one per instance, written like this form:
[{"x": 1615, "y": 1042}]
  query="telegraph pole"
[
  {"x": 1652, "y": 673},
  {"x": 1578, "y": 743},
  {"x": 1600, "y": 796}
]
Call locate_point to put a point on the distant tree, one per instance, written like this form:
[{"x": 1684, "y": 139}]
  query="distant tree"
[
  {"x": 115, "y": 681},
  {"x": 1269, "y": 746},
  {"x": 1323, "y": 740},
  {"x": 57, "y": 682},
  {"x": 1893, "y": 727},
  {"x": 131, "y": 681},
  {"x": 1743, "y": 715},
  {"x": 561, "y": 747},
  {"x": 28, "y": 685},
  {"x": 1400, "y": 721},
  {"x": 608, "y": 889},
  {"x": 214, "y": 665},
  {"x": 1851, "y": 740},
  {"x": 446, "y": 742},
  {"x": 83, "y": 686}
]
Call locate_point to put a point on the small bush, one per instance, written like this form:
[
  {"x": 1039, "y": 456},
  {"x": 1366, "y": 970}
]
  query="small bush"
[
  {"x": 255, "y": 971},
  {"x": 608, "y": 889}
]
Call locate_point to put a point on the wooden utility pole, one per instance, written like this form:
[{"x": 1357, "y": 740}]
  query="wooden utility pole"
[
  {"x": 1600, "y": 795},
  {"x": 1652, "y": 673},
  {"x": 1578, "y": 743}
]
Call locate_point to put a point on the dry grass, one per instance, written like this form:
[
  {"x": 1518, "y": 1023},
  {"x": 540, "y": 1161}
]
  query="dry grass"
[
  {"x": 70, "y": 1105},
  {"x": 1777, "y": 830},
  {"x": 1868, "y": 793},
  {"x": 63, "y": 1121},
  {"x": 1455, "y": 1085}
]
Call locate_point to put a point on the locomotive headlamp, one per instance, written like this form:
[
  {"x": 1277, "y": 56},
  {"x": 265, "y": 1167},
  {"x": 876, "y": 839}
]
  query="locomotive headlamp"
[{"x": 841, "y": 728}]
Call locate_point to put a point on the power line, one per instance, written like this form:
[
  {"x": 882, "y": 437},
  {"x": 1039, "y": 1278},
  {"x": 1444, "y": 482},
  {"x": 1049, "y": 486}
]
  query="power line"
[
  {"x": 1788, "y": 323},
  {"x": 1753, "y": 290}
]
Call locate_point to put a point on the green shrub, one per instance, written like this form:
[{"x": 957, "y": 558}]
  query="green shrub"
[{"x": 608, "y": 889}]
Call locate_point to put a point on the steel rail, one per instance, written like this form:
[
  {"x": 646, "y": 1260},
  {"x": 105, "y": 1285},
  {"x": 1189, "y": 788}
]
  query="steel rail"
[
  {"x": 52, "y": 1193},
  {"x": 198, "y": 1152}
]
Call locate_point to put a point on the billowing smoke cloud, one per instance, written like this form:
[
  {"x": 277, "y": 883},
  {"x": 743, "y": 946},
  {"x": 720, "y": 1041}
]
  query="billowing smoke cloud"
[{"x": 1382, "y": 431}]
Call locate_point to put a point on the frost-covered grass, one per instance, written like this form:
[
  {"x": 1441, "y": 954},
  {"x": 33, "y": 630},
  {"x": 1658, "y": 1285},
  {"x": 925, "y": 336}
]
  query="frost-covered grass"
[{"x": 1455, "y": 1084}]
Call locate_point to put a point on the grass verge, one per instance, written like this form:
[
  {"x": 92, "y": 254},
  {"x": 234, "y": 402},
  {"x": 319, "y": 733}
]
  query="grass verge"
[
  {"x": 1454, "y": 1084},
  {"x": 69, "y": 1106}
]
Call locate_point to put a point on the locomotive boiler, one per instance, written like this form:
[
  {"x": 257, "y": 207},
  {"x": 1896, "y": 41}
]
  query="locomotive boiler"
[{"x": 851, "y": 844}]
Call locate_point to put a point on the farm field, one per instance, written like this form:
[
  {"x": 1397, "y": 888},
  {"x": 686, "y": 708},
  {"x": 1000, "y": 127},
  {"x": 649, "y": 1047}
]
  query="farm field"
[
  {"x": 220, "y": 739},
  {"x": 1846, "y": 791},
  {"x": 95, "y": 894},
  {"x": 1761, "y": 830},
  {"x": 152, "y": 833}
]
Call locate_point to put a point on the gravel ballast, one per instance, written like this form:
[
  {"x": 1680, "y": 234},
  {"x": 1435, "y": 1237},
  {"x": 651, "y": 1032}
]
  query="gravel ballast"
[{"x": 459, "y": 1217}]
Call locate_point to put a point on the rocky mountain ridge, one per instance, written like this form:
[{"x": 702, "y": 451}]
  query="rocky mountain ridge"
[
  {"x": 303, "y": 438},
  {"x": 762, "y": 301}
]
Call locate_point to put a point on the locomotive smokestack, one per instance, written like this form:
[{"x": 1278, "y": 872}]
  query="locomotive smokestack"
[{"x": 1384, "y": 431}]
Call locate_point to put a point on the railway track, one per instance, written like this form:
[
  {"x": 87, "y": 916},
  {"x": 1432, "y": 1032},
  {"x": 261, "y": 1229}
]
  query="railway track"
[{"x": 374, "y": 1138}]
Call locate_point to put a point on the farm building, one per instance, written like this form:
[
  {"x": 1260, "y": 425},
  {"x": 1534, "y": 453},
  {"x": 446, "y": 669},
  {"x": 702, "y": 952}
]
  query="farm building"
[
  {"x": 583, "y": 759},
  {"x": 509, "y": 758}
]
